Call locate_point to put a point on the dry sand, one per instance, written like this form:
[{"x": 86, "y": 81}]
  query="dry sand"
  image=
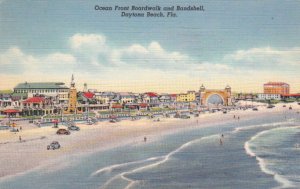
[{"x": 17, "y": 157}]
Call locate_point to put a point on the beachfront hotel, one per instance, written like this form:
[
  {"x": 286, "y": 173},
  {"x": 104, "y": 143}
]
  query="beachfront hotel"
[
  {"x": 277, "y": 88},
  {"x": 51, "y": 89}
]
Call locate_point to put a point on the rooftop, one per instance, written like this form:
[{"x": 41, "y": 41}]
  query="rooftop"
[
  {"x": 276, "y": 83},
  {"x": 88, "y": 95},
  {"x": 41, "y": 85},
  {"x": 34, "y": 100}
]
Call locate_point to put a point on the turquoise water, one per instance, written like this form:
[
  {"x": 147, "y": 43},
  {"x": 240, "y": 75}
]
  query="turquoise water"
[{"x": 254, "y": 154}]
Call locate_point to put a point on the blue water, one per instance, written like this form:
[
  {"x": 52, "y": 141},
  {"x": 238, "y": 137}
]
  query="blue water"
[{"x": 256, "y": 153}]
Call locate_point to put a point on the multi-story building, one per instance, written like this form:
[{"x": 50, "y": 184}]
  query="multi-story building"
[
  {"x": 277, "y": 88},
  {"x": 190, "y": 96},
  {"x": 51, "y": 89}
]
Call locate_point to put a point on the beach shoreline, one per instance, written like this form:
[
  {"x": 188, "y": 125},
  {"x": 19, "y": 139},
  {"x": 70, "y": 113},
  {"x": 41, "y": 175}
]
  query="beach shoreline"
[{"x": 30, "y": 154}]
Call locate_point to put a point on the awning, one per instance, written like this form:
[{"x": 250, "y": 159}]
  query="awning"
[{"x": 9, "y": 111}]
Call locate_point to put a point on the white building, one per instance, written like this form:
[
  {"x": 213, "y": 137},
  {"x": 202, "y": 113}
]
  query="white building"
[
  {"x": 264, "y": 96},
  {"x": 57, "y": 90}
]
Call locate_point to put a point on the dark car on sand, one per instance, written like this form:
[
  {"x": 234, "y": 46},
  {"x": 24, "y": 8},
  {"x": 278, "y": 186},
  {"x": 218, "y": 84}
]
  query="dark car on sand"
[
  {"x": 73, "y": 128},
  {"x": 54, "y": 145},
  {"x": 63, "y": 132}
]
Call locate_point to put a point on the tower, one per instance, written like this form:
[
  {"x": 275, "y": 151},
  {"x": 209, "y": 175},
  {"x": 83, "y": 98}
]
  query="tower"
[
  {"x": 72, "y": 98},
  {"x": 228, "y": 91},
  {"x": 85, "y": 87},
  {"x": 201, "y": 94}
]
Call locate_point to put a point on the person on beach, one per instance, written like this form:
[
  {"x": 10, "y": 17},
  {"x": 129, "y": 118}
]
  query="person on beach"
[
  {"x": 238, "y": 117},
  {"x": 222, "y": 135},
  {"x": 233, "y": 116},
  {"x": 20, "y": 139},
  {"x": 20, "y": 128},
  {"x": 221, "y": 142},
  {"x": 145, "y": 139}
]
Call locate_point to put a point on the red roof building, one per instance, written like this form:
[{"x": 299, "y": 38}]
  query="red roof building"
[
  {"x": 88, "y": 95},
  {"x": 34, "y": 100},
  {"x": 151, "y": 94}
]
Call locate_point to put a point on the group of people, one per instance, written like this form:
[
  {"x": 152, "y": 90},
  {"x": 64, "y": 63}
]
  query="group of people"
[{"x": 238, "y": 117}]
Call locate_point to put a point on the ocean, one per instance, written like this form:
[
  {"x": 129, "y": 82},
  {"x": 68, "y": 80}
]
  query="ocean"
[{"x": 252, "y": 153}]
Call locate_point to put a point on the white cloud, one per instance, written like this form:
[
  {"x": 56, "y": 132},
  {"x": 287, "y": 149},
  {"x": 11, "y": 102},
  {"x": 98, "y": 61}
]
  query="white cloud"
[
  {"x": 265, "y": 56},
  {"x": 60, "y": 58},
  {"x": 92, "y": 42}
]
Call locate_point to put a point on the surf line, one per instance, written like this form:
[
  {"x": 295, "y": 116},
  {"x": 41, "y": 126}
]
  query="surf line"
[
  {"x": 164, "y": 159},
  {"x": 285, "y": 183},
  {"x": 265, "y": 125},
  {"x": 108, "y": 169}
]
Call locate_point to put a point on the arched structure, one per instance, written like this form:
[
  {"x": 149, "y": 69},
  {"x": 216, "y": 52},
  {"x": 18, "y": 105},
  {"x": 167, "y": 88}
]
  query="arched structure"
[{"x": 215, "y": 96}]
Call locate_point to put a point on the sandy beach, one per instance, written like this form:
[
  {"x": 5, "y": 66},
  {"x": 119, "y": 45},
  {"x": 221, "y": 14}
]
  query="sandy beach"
[{"x": 18, "y": 157}]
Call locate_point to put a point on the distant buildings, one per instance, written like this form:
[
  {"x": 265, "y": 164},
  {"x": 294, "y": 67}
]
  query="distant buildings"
[
  {"x": 274, "y": 91},
  {"x": 54, "y": 98},
  {"x": 277, "y": 88}
]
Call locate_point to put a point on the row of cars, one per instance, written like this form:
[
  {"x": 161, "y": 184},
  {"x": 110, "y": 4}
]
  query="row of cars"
[{"x": 55, "y": 144}]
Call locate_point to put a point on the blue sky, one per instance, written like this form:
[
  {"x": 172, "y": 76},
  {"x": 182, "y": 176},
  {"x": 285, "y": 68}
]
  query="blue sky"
[{"x": 240, "y": 43}]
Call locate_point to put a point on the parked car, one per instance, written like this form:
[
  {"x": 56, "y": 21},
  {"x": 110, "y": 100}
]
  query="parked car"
[
  {"x": 270, "y": 106},
  {"x": 185, "y": 117},
  {"x": 177, "y": 115},
  {"x": 112, "y": 120},
  {"x": 53, "y": 145},
  {"x": 63, "y": 132},
  {"x": 73, "y": 128},
  {"x": 254, "y": 109}
]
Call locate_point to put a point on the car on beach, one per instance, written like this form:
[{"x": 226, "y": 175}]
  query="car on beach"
[
  {"x": 73, "y": 128},
  {"x": 53, "y": 145},
  {"x": 63, "y": 132},
  {"x": 113, "y": 120},
  {"x": 254, "y": 109},
  {"x": 185, "y": 117},
  {"x": 177, "y": 115},
  {"x": 270, "y": 106}
]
